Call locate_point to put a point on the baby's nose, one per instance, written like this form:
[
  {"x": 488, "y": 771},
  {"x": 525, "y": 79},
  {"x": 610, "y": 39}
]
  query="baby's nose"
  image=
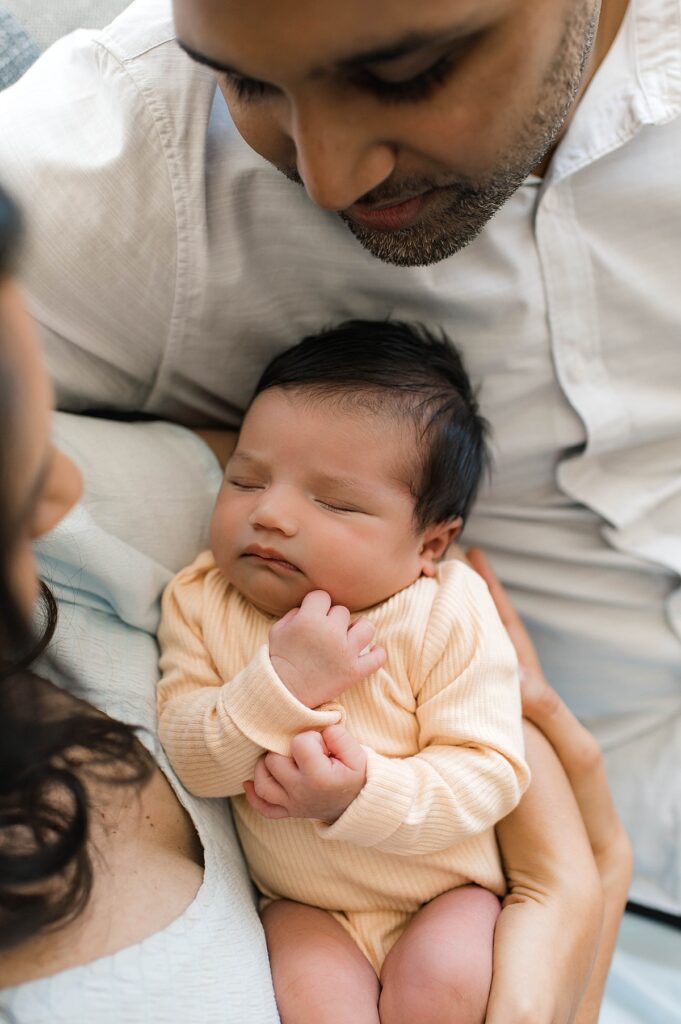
[{"x": 273, "y": 514}]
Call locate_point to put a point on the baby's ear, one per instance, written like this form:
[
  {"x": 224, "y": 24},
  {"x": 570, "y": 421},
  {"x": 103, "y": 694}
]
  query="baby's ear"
[{"x": 435, "y": 541}]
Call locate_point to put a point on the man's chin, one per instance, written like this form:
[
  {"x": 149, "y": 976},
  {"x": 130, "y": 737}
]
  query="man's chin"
[
  {"x": 458, "y": 212},
  {"x": 418, "y": 246}
]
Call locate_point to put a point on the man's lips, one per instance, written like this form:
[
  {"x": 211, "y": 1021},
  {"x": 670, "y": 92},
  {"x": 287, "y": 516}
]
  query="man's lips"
[
  {"x": 269, "y": 556},
  {"x": 392, "y": 216}
]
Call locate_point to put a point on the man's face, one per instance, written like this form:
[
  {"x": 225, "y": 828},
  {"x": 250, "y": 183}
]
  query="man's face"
[{"x": 415, "y": 121}]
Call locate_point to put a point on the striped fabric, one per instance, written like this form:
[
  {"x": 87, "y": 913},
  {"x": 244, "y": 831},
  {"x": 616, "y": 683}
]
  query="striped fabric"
[{"x": 440, "y": 723}]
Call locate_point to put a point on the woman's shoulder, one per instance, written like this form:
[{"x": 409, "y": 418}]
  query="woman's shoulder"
[{"x": 162, "y": 904}]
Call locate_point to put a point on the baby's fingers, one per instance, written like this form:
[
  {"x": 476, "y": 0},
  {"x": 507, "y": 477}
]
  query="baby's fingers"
[
  {"x": 262, "y": 806},
  {"x": 316, "y": 604},
  {"x": 371, "y": 661},
  {"x": 309, "y": 753},
  {"x": 343, "y": 746},
  {"x": 266, "y": 786},
  {"x": 276, "y": 626},
  {"x": 360, "y": 635},
  {"x": 340, "y": 615}
]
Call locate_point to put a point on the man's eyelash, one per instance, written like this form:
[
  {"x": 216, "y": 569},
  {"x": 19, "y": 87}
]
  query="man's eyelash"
[
  {"x": 411, "y": 90},
  {"x": 246, "y": 88}
]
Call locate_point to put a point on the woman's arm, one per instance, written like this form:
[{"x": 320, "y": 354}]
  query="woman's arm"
[
  {"x": 567, "y": 858},
  {"x": 547, "y": 936}
]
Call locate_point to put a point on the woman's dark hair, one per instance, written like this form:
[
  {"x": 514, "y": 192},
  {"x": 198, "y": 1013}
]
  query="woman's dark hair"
[
  {"x": 51, "y": 743},
  {"x": 10, "y": 233},
  {"x": 408, "y": 372}
]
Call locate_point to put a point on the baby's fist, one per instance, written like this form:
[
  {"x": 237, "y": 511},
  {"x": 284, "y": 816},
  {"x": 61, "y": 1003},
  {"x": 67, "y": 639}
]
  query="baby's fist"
[{"x": 318, "y": 653}]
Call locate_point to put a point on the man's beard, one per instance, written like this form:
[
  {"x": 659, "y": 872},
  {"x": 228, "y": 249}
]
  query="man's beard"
[{"x": 464, "y": 206}]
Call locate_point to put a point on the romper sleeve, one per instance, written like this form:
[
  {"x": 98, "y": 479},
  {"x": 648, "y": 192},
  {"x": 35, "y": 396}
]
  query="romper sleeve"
[
  {"x": 214, "y": 730},
  {"x": 470, "y": 770}
]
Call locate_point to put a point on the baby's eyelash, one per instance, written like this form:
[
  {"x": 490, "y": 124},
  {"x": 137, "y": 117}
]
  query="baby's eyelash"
[
  {"x": 243, "y": 486},
  {"x": 336, "y": 508}
]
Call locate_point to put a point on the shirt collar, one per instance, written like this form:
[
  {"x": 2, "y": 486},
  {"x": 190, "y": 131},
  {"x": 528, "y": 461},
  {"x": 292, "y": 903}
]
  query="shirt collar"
[{"x": 638, "y": 84}]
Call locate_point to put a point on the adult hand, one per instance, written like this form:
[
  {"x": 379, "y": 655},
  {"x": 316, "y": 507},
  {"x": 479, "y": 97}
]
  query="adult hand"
[
  {"x": 324, "y": 774},
  {"x": 542, "y": 854},
  {"x": 318, "y": 653}
]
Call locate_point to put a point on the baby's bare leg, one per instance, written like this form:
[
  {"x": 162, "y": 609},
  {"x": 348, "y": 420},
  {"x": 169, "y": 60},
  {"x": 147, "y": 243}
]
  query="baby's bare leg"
[
  {"x": 440, "y": 969},
  {"x": 320, "y": 976}
]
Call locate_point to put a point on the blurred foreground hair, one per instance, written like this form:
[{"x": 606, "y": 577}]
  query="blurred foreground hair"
[{"x": 51, "y": 743}]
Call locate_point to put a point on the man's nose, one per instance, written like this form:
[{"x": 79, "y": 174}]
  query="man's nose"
[
  {"x": 274, "y": 512},
  {"x": 338, "y": 159}
]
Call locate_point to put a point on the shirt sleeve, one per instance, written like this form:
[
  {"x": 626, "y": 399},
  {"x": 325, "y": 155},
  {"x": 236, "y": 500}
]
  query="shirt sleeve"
[
  {"x": 86, "y": 155},
  {"x": 470, "y": 770},
  {"x": 214, "y": 730}
]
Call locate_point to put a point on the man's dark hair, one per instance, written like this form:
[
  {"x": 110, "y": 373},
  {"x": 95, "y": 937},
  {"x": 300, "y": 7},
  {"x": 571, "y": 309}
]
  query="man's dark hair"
[{"x": 407, "y": 371}]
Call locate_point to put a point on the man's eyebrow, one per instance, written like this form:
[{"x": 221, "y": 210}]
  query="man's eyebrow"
[
  {"x": 202, "y": 58},
  {"x": 408, "y": 44},
  {"x": 404, "y": 47}
]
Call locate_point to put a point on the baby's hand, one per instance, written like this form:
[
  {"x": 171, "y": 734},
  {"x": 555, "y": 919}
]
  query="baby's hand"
[
  {"x": 320, "y": 780},
  {"x": 317, "y": 654}
]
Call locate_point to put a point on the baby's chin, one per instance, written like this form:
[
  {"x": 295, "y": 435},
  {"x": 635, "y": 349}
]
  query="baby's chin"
[
  {"x": 267, "y": 596},
  {"x": 276, "y": 606},
  {"x": 274, "y": 596},
  {"x": 272, "y": 609},
  {"x": 272, "y": 599}
]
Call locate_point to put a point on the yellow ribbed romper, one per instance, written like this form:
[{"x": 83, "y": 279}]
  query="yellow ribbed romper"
[{"x": 440, "y": 722}]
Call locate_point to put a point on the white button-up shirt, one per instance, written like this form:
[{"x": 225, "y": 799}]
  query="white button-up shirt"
[{"x": 167, "y": 263}]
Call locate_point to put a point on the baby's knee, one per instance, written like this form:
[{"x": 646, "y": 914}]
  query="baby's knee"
[{"x": 430, "y": 988}]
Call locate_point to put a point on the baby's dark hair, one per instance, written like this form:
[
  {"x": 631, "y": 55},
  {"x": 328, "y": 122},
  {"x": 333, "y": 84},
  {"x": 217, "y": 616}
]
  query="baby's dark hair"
[{"x": 406, "y": 370}]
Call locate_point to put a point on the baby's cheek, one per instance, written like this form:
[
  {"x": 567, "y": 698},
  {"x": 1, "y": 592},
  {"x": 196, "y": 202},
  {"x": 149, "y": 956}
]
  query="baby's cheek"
[
  {"x": 223, "y": 527},
  {"x": 350, "y": 580}
]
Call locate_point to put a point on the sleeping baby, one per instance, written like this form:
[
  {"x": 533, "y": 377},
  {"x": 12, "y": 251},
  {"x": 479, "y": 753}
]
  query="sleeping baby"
[{"x": 356, "y": 697}]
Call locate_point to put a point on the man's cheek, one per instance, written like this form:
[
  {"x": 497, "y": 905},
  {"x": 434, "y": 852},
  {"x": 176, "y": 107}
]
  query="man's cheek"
[{"x": 262, "y": 132}]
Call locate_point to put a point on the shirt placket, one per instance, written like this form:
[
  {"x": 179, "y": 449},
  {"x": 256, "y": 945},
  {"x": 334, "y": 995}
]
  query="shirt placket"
[{"x": 575, "y": 338}]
